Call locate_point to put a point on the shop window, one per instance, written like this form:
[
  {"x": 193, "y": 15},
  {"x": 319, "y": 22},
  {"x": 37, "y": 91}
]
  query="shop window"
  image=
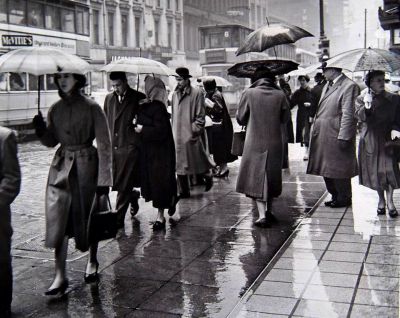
[
  {"x": 3, "y": 10},
  {"x": 17, "y": 9},
  {"x": 67, "y": 20},
  {"x": 50, "y": 82},
  {"x": 17, "y": 82},
  {"x": 53, "y": 18},
  {"x": 33, "y": 82},
  {"x": 35, "y": 14}
]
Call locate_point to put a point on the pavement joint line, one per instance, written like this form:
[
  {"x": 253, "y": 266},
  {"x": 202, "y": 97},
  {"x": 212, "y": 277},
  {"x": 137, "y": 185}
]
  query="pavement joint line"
[
  {"x": 274, "y": 259},
  {"x": 359, "y": 278}
]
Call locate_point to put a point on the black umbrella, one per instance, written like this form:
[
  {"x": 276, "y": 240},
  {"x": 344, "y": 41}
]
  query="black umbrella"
[{"x": 248, "y": 69}]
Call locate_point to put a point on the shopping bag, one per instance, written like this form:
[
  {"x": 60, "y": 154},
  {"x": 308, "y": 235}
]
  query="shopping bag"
[
  {"x": 102, "y": 224},
  {"x": 238, "y": 142}
]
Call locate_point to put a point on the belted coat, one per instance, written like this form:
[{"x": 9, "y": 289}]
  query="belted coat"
[
  {"x": 77, "y": 169},
  {"x": 335, "y": 121},
  {"x": 125, "y": 141}
]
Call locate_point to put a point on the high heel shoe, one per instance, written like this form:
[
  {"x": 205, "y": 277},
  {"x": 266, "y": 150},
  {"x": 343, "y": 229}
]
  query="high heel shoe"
[
  {"x": 93, "y": 277},
  {"x": 58, "y": 291},
  {"x": 223, "y": 174}
]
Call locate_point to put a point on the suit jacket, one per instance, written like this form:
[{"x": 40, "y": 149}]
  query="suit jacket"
[
  {"x": 124, "y": 140},
  {"x": 335, "y": 121}
]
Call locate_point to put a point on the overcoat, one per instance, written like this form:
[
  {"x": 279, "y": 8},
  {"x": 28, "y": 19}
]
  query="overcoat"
[
  {"x": 222, "y": 129},
  {"x": 263, "y": 109},
  {"x": 299, "y": 97},
  {"x": 125, "y": 141},
  {"x": 378, "y": 167},
  {"x": 335, "y": 121},
  {"x": 77, "y": 167},
  {"x": 188, "y": 120},
  {"x": 158, "y": 155}
]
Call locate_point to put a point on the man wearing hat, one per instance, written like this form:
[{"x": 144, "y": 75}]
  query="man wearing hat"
[
  {"x": 188, "y": 120},
  {"x": 121, "y": 107},
  {"x": 333, "y": 138}
]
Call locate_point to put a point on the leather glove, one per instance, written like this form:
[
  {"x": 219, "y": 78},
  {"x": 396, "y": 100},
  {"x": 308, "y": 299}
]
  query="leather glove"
[
  {"x": 39, "y": 124},
  {"x": 344, "y": 144},
  {"x": 394, "y": 134},
  {"x": 102, "y": 190}
]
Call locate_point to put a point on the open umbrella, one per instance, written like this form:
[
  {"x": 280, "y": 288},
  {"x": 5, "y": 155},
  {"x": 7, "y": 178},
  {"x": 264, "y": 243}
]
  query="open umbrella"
[
  {"x": 138, "y": 65},
  {"x": 366, "y": 60},
  {"x": 248, "y": 69},
  {"x": 271, "y": 35},
  {"x": 42, "y": 60},
  {"x": 220, "y": 81},
  {"x": 306, "y": 71}
]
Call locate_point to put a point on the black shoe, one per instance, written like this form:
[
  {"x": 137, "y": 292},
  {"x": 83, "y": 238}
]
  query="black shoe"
[
  {"x": 393, "y": 213},
  {"x": 270, "y": 218},
  {"x": 159, "y": 225},
  {"x": 329, "y": 203},
  {"x": 58, "y": 291},
  {"x": 172, "y": 209},
  {"x": 262, "y": 223},
  {"x": 93, "y": 277},
  {"x": 381, "y": 211},
  {"x": 340, "y": 204},
  {"x": 209, "y": 183},
  {"x": 134, "y": 203}
]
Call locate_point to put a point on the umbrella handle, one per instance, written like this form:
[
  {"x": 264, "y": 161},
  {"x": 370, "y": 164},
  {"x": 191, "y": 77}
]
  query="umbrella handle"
[{"x": 38, "y": 105}]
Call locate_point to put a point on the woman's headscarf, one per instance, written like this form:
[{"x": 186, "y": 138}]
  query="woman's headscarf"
[{"x": 155, "y": 89}]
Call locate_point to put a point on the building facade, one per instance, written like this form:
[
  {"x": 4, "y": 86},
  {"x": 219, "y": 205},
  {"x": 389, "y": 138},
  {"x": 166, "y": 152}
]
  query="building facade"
[{"x": 389, "y": 17}]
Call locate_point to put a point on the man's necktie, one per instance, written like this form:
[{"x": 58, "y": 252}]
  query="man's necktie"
[
  {"x": 120, "y": 98},
  {"x": 330, "y": 84}
]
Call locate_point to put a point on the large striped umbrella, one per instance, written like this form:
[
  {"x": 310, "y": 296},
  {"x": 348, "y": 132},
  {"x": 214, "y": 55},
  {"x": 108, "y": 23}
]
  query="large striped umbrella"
[{"x": 42, "y": 60}]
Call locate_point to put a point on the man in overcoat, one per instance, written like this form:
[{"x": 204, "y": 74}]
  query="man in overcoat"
[
  {"x": 121, "y": 108},
  {"x": 188, "y": 120},
  {"x": 333, "y": 138},
  {"x": 10, "y": 180}
]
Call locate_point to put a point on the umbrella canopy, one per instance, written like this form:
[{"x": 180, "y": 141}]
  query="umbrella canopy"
[
  {"x": 220, "y": 81},
  {"x": 42, "y": 60},
  {"x": 366, "y": 60},
  {"x": 271, "y": 35},
  {"x": 306, "y": 71},
  {"x": 248, "y": 69},
  {"x": 138, "y": 65}
]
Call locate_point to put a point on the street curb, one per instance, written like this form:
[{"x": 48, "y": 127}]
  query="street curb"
[{"x": 253, "y": 287}]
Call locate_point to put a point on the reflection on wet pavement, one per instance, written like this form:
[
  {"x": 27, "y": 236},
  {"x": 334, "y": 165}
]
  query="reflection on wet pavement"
[{"x": 200, "y": 266}]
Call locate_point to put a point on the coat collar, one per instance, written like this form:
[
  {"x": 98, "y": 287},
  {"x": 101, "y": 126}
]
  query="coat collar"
[{"x": 337, "y": 83}]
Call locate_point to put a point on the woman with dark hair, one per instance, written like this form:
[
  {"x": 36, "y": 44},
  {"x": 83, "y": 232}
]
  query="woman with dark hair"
[
  {"x": 77, "y": 173},
  {"x": 379, "y": 114},
  {"x": 222, "y": 129},
  {"x": 263, "y": 109},
  {"x": 158, "y": 150}
]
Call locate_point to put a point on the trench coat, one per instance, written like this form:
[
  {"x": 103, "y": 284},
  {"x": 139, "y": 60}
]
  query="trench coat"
[
  {"x": 298, "y": 98},
  {"x": 125, "y": 141},
  {"x": 188, "y": 120},
  {"x": 335, "y": 121},
  {"x": 264, "y": 110},
  {"x": 377, "y": 164},
  {"x": 157, "y": 155},
  {"x": 222, "y": 130},
  {"x": 77, "y": 169}
]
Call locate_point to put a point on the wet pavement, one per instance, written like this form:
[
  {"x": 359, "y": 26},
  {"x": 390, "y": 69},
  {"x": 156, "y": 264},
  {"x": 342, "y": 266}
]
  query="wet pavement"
[{"x": 202, "y": 265}]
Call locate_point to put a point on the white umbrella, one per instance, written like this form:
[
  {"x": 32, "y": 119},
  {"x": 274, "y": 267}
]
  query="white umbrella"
[
  {"x": 306, "y": 71},
  {"x": 220, "y": 81},
  {"x": 42, "y": 60},
  {"x": 138, "y": 65}
]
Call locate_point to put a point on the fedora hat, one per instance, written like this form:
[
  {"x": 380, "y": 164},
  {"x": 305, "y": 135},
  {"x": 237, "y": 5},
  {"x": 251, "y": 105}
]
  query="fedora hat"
[{"x": 182, "y": 72}]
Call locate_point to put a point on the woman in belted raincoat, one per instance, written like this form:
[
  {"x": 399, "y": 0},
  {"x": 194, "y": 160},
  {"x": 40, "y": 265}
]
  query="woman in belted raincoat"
[{"x": 77, "y": 172}]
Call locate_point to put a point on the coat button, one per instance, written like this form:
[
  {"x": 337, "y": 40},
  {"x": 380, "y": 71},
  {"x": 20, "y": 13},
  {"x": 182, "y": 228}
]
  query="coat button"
[
  {"x": 115, "y": 147},
  {"x": 116, "y": 134}
]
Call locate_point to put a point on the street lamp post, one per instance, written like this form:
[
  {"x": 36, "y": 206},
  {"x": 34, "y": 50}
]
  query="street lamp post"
[{"x": 323, "y": 44}]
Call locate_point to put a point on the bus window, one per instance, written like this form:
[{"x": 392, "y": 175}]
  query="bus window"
[
  {"x": 216, "y": 40},
  {"x": 3, "y": 82},
  {"x": 17, "y": 11},
  {"x": 33, "y": 83},
  {"x": 50, "y": 82},
  {"x": 17, "y": 82}
]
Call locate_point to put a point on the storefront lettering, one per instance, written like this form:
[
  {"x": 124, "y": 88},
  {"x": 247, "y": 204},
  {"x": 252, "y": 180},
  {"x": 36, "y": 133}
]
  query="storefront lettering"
[{"x": 16, "y": 40}]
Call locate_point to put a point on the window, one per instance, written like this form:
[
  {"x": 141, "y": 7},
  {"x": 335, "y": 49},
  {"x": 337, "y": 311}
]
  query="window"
[
  {"x": 177, "y": 5},
  {"x": 216, "y": 40},
  {"x": 124, "y": 29},
  {"x": 169, "y": 34},
  {"x": 18, "y": 82},
  {"x": 137, "y": 31},
  {"x": 159, "y": 3},
  {"x": 33, "y": 82},
  {"x": 156, "y": 30},
  {"x": 17, "y": 10},
  {"x": 3, "y": 82},
  {"x": 178, "y": 36},
  {"x": 111, "y": 28},
  {"x": 95, "y": 21},
  {"x": 50, "y": 82},
  {"x": 168, "y": 4},
  {"x": 35, "y": 14},
  {"x": 53, "y": 18},
  {"x": 67, "y": 20},
  {"x": 3, "y": 11},
  {"x": 82, "y": 21}
]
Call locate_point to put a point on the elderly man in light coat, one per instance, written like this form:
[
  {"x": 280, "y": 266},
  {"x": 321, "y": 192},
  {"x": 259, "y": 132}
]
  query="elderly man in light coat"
[
  {"x": 333, "y": 138},
  {"x": 188, "y": 120}
]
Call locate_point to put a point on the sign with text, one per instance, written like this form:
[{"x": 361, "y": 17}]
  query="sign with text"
[
  {"x": 216, "y": 56},
  {"x": 16, "y": 40}
]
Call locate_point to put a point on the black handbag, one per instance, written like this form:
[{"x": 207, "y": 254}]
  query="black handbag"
[
  {"x": 102, "y": 224},
  {"x": 238, "y": 142}
]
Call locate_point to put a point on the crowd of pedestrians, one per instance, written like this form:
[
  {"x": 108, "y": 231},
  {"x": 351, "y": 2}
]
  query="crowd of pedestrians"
[{"x": 143, "y": 150}]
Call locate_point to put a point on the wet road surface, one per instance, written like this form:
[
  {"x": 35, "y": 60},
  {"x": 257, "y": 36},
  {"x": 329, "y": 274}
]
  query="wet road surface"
[{"x": 199, "y": 266}]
